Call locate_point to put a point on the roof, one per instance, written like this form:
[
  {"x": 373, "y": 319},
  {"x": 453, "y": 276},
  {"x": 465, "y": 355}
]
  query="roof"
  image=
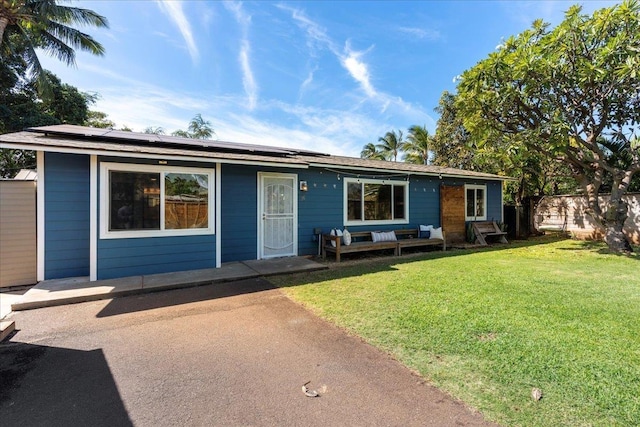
[{"x": 86, "y": 140}]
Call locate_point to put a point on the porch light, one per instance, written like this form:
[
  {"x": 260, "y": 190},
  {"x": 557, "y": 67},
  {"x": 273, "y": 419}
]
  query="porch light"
[{"x": 304, "y": 186}]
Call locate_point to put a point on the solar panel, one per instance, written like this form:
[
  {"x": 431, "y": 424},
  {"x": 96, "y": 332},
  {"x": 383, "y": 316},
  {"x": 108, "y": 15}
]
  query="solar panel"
[{"x": 138, "y": 138}]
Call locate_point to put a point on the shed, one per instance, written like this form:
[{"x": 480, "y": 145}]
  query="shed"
[{"x": 18, "y": 230}]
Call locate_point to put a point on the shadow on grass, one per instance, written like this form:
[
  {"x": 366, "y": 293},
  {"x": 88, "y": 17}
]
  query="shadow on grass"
[
  {"x": 353, "y": 265},
  {"x": 601, "y": 248},
  {"x": 373, "y": 262}
]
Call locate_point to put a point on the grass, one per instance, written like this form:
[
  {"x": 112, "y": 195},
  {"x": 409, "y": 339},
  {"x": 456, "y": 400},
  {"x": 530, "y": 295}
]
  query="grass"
[{"x": 487, "y": 326}]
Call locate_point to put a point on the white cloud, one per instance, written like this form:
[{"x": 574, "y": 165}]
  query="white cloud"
[
  {"x": 248, "y": 80},
  {"x": 317, "y": 38},
  {"x": 308, "y": 81},
  {"x": 173, "y": 9},
  {"x": 421, "y": 33},
  {"x": 358, "y": 70}
]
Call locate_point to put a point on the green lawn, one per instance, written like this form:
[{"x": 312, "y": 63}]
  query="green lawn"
[{"x": 487, "y": 326}]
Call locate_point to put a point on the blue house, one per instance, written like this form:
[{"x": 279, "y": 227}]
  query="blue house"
[{"x": 114, "y": 204}]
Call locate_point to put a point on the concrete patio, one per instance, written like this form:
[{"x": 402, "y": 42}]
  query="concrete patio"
[{"x": 50, "y": 293}]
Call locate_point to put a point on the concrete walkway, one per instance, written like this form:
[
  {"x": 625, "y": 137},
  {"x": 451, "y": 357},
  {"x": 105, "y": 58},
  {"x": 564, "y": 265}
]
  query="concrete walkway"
[{"x": 50, "y": 293}]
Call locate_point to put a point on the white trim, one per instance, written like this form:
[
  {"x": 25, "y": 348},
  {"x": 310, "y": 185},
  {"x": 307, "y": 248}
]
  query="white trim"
[
  {"x": 345, "y": 202},
  {"x": 154, "y": 156},
  {"x": 105, "y": 233},
  {"x": 40, "y": 215},
  {"x": 218, "y": 220},
  {"x": 484, "y": 192},
  {"x": 93, "y": 218},
  {"x": 294, "y": 190},
  {"x": 502, "y": 202}
]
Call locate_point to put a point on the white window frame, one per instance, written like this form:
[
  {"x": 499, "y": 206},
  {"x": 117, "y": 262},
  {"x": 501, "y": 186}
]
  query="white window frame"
[
  {"x": 345, "y": 203},
  {"x": 106, "y": 167},
  {"x": 475, "y": 198}
]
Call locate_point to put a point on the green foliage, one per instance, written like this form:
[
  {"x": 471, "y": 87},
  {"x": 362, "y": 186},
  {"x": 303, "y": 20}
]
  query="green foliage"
[
  {"x": 154, "y": 130},
  {"x": 558, "y": 93},
  {"x": 98, "y": 119},
  {"x": 451, "y": 145},
  {"x": 178, "y": 185},
  {"x": 199, "y": 128},
  {"x": 22, "y": 106},
  {"x": 390, "y": 145},
  {"x": 417, "y": 145},
  {"x": 470, "y": 234},
  {"x": 487, "y": 326},
  {"x": 27, "y": 25},
  {"x": 371, "y": 152}
]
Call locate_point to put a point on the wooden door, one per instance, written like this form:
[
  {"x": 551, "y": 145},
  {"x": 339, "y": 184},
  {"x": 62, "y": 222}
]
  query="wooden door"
[{"x": 452, "y": 212}]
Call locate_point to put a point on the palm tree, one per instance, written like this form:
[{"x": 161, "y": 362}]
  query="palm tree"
[
  {"x": 391, "y": 145},
  {"x": 200, "y": 128},
  {"x": 416, "y": 147},
  {"x": 158, "y": 130},
  {"x": 46, "y": 25},
  {"x": 370, "y": 151}
]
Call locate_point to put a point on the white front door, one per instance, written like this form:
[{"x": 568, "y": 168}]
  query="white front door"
[{"x": 277, "y": 215}]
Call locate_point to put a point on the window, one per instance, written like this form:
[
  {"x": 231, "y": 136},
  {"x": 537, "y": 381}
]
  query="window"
[
  {"x": 151, "y": 201},
  {"x": 476, "y": 202},
  {"x": 375, "y": 201}
]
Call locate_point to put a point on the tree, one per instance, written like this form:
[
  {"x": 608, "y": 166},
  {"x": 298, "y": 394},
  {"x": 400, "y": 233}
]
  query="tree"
[
  {"x": 370, "y": 151},
  {"x": 391, "y": 144},
  {"x": 559, "y": 92},
  {"x": 451, "y": 143},
  {"x": 21, "y": 106},
  {"x": 417, "y": 145},
  {"x": 199, "y": 128},
  {"x": 454, "y": 146},
  {"x": 46, "y": 25},
  {"x": 65, "y": 102},
  {"x": 98, "y": 119},
  {"x": 158, "y": 130}
]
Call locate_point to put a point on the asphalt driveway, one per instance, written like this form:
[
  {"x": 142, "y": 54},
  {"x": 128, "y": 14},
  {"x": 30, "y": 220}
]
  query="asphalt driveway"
[{"x": 228, "y": 354}]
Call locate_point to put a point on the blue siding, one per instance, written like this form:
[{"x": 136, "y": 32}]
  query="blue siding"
[
  {"x": 67, "y": 219},
  {"x": 320, "y": 206},
  {"x": 139, "y": 256},
  {"x": 142, "y": 256},
  {"x": 424, "y": 202},
  {"x": 66, "y": 178},
  {"x": 239, "y": 222}
]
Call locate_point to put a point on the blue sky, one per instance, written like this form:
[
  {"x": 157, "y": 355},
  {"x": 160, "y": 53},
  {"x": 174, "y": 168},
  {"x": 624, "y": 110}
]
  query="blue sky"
[{"x": 327, "y": 76}]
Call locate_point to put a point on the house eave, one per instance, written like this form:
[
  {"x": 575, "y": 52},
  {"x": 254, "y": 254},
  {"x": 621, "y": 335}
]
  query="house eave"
[
  {"x": 149, "y": 155},
  {"x": 398, "y": 172}
]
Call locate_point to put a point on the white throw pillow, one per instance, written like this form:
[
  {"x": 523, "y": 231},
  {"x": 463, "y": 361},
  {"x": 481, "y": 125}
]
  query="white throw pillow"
[
  {"x": 346, "y": 237},
  {"x": 382, "y": 236},
  {"x": 436, "y": 233},
  {"x": 335, "y": 232}
]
